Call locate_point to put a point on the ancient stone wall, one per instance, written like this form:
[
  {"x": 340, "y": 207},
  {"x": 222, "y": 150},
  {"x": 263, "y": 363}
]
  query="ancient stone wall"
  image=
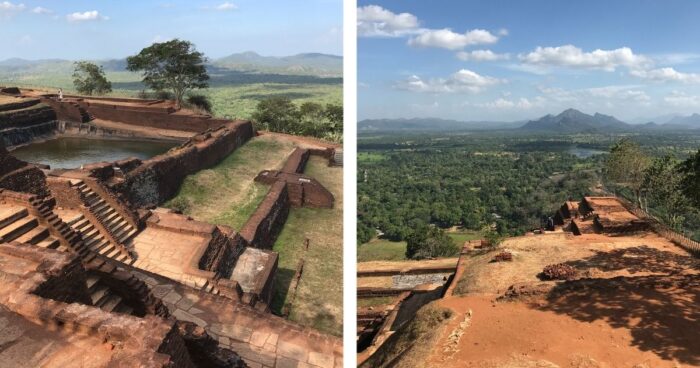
[
  {"x": 262, "y": 228},
  {"x": 223, "y": 251},
  {"x": 296, "y": 161},
  {"x": 28, "y": 179},
  {"x": 24, "y": 117},
  {"x": 65, "y": 111},
  {"x": 160, "y": 177},
  {"x": 39, "y": 289},
  {"x": 152, "y": 117}
]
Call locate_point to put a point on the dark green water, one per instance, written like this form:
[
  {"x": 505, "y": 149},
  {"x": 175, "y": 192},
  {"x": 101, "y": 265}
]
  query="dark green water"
[{"x": 70, "y": 153}]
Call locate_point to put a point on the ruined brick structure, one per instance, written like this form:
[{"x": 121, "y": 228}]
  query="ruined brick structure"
[
  {"x": 116, "y": 252},
  {"x": 44, "y": 299}
]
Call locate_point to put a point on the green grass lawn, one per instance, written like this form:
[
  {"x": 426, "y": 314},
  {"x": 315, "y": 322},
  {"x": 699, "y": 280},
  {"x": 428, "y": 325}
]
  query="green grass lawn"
[
  {"x": 319, "y": 297},
  {"x": 381, "y": 250},
  {"x": 387, "y": 250},
  {"x": 463, "y": 236},
  {"x": 226, "y": 194}
]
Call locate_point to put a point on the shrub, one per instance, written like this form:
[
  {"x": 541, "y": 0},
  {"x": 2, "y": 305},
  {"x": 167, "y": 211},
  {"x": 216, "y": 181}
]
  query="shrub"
[
  {"x": 180, "y": 204},
  {"x": 559, "y": 271},
  {"x": 199, "y": 103},
  {"x": 503, "y": 257}
]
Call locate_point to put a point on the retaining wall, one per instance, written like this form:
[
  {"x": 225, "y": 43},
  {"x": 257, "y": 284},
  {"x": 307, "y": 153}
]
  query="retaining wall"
[
  {"x": 262, "y": 228},
  {"x": 159, "y": 178}
]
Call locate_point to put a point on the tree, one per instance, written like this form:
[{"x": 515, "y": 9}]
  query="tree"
[
  {"x": 277, "y": 114},
  {"x": 662, "y": 182},
  {"x": 626, "y": 165},
  {"x": 690, "y": 182},
  {"x": 173, "y": 65},
  {"x": 428, "y": 242},
  {"x": 88, "y": 79}
]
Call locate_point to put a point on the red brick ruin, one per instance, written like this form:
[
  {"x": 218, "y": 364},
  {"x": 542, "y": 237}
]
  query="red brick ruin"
[{"x": 91, "y": 262}]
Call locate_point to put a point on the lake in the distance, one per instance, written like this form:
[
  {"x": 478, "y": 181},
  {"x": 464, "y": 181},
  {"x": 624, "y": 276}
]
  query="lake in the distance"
[
  {"x": 582, "y": 152},
  {"x": 71, "y": 152}
]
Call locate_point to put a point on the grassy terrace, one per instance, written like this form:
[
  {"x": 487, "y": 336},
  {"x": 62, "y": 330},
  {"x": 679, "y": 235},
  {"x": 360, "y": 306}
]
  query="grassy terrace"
[
  {"x": 387, "y": 250},
  {"x": 226, "y": 194},
  {"x": 319, "y": 296}
]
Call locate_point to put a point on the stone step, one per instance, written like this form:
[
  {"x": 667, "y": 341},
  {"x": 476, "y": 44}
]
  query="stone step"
[
  {"x": 98, "y": 206},
  {"x": 94, "y": 241},
  {"x": 109, "y": 248},
  {"x": 123, "y": 308},
  {"x": 127, "y": 236},
  {"x": 79, "y": 225},
  {"x": 110, "y": 302},
  {"x": 34, "y": 236},
  {"x": 18, "y": 228},
  {"x": 100, "y": 293},
  {"x": 92, "y": 233},
  {"x": 109, "y": 215},
  {"x": 114, "y": 253},
  {"x": 92, "y": 282},
  {"x": 49, "y": 242},
  {"x": 11, "y": 215}
]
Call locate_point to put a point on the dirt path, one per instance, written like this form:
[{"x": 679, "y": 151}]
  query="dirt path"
[{"x": 518, "y": 335}]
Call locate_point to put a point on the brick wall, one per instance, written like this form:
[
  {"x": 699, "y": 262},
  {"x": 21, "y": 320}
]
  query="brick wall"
[
  {"x": 159, "y": 178},
  {"x": 262, "y": 228}
]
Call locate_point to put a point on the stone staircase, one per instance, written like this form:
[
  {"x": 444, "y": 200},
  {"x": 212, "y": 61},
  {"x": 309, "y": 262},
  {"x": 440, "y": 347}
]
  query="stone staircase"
[
  {"x": 119, "y": 229},
  {"x": 338, "y": 157},
  {"x": 104, "y": 298},
  {"x": 94, "y": 241},
  {"x": 17, "y": 224},
  {"x": 210, "y": 287}
]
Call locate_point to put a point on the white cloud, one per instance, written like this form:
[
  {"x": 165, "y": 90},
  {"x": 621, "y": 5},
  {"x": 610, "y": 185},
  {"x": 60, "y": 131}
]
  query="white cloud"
[
  {"x": 446, "y": 39},
  {"x": 85, "y": 16},
  {"x": 666, "y": 75},
  {"x": 681, "y": 99},
  {"x": 8, "y": 9},
  {"x": 572, "y": 56},
  {"x": 40, "y": 10},
  {"x": 461, "y": 81},
  {"x": 521, "y": 103},
  {"x": 481, "y": 55},
  {"x": 375, "y": 21},
  {"x": 8, "y": 6},
  {"x": 607, "y": 94},
  {"x": 226, "y": 6}
]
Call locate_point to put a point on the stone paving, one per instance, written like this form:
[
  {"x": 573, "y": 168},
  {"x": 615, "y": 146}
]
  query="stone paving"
[
  {"x": 169, "y": 254},
  {"x": 261, "y": 339}
]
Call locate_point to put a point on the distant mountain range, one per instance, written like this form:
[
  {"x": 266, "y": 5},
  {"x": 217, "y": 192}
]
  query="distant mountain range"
[
  {"x": 568, "y": 121},
  {"x": 300, "y": 64},
  {"x": 429, "y": 125}
]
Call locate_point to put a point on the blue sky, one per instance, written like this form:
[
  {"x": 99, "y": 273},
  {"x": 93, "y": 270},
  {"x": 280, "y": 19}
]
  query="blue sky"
[
  {"x": 79, "y": 29},
  {"x": 515, "y": 60}
]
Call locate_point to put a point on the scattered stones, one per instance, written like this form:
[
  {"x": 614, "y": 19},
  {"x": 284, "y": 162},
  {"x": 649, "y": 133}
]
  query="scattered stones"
[{"x": 559, "y": 271}]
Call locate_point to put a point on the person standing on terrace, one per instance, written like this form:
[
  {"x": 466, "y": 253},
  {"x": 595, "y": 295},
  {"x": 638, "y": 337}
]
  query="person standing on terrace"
[{"x": 60, "y": 94}]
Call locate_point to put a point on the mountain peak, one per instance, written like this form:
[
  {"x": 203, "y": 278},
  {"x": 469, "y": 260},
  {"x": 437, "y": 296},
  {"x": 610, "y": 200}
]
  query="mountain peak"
[{"x": 575, "y": 121}]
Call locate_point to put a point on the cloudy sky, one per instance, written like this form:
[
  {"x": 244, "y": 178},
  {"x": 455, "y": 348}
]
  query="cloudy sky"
[
  {"x": 77, "y": 29},
  {"x": 513, "y": 60}
]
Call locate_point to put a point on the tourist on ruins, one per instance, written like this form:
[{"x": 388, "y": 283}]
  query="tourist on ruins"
[{"x": 60, "y": 94}]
